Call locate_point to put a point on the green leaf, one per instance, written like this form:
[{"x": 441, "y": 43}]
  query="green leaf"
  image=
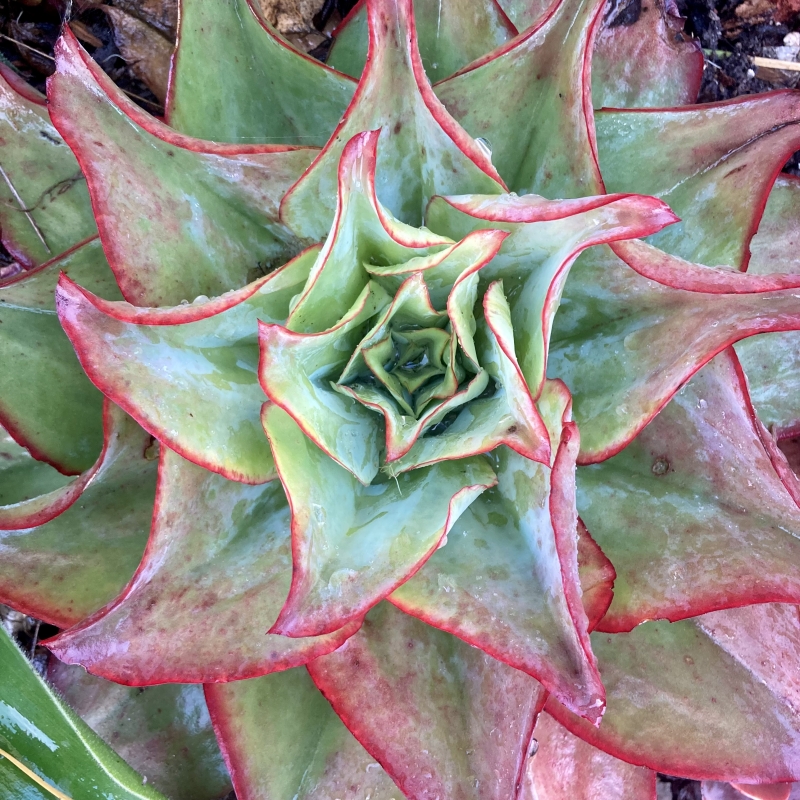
[
  {"x": 226, "y": 52},
  {"x": 735, "y": 670},
  {"x": 22, "y": 476},
  {"x": 188, "y": 374},
  {"x": 524, "y": 13},
  {"x": 352, "y": 544},
  {"x": 67, "y": 553},
  {"x": 451, "y": 35},
  {"x": 424, "y": 150},
  {"x": 693, "y": 513},
  {"x": 42, "y": 735},
  {"x": 178, "y": 217},
  {"x": 283, "y": 740},
  {"x": 444, "y": 719},
  {"x": 164, "y": 732},
  {"x": 507, "y": 579},
  {"x": 44, "y": 205},
  {"x": 46, "y": 401},
  {"x": 215, "y": 575}
]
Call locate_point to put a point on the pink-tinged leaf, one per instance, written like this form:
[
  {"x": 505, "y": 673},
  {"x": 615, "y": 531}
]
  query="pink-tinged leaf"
[
  {"x": 565, "y": 766},
  {"x": 451, "y": 35},
  {"x": 531, "y": 101},
  {"x": 524, "y": 13},
  {"x": 736, "y": 670},
  {"x": 352, "y": 544},
  {"x": 187, "y": 374},
  {"x": 714, "y": 164},
  {"x": 44, "y": 206},
  {"x": 178, "y": 217},
  {"x": 545, "y": 237},
  {"x": 22, "y": 477},
  {"x": 163, "y": 732},
  {"x": 281, "y": 739},
  {"x": 425, "y": 151},
  {"x": 89, "y": 534},
  {"x": 215, "y": 575},
  {"x": 625, "y": 344},
  {"x": 444, "y": 719},
  {"x": 46, "y": 401},
  {"x": 716, "y": 790},
  {"x": 662, "y": 66},
  {"x": 693, "y": 514},
  {"x": 226, "y": 52},
  {"x": 597, "y": 576},
  {"x": 507, "y": 579},
  {"x": 770, "y": 361}
]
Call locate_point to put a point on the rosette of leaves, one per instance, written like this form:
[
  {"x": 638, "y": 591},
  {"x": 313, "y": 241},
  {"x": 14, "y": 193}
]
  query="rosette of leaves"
[{"x": 338, "y": 354}]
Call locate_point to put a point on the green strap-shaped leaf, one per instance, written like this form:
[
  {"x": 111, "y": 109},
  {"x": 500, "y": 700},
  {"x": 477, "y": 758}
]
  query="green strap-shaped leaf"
[
  {"x": 534, "y": 260},
  {"x": 735, "y": 670},
  {"x": 283, "y": 740},
  {"x": 507, "y": 579},
  {"x": 625, "y": 344},
  {"x": 188, "y": 374},
  {"x": 770, "y": 361},
  {"x": 178, "y": 217},
  {"x": 44, "y": 206},
  {"x": 46, "y": 401},
  {"x": 713, "y": 164},
  {"x": 227, "y": 52},
  {"x": 443, "y": 718},
  {"x": 22, "y": 477},
  {"x": 215, "y": 575},
  {"x": 424, "y": 151},
  {"x": 352, "y": 544},
  {"x": 661, "y": 67},
  {"x": 69, "y": 552},
  {"x": 692, "y": 513},
  {"x": 451, "y": 35},
  {"x": 566, "y": 766},
  {"x": 45, "y": 738},
  {"x": 164, "y": 732},
  {"x": 531, "y": 101}
]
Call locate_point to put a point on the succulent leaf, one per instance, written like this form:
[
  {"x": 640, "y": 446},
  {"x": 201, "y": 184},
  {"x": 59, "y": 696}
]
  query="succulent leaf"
[
  {"x": 23, "y": 477},
  {"x": 226, "y": 51},
  {"x": 700, "y": 465},
  {"x": 736, "y": 669},
  {"x": 424, "y": 152},
  {"x": 170, "y": 622},
  {"x": 447, "y": 719}
]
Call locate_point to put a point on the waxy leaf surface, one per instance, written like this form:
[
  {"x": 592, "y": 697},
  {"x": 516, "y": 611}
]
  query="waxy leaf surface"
[
  {"x": 444, "y": 718},
  {"x": 22, "y": 477},
  {"x": 235, "y": 80},
  {"x": 215, "y": 575}
]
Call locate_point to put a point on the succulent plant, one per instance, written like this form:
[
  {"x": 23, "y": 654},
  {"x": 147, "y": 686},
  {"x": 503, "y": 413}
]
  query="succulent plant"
[{"x": 338, "y": 354}]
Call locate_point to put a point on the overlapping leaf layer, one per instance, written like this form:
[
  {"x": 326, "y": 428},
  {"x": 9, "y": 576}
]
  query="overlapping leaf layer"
[{"x": 306, "y": 386}]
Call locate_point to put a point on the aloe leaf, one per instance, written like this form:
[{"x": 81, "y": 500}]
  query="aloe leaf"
[
  {"x": 47, "y": 751},
  {"x": 662, "y": 66},
  {"x": 163, "y": 732},
  {"x": 226, "y": 52},
  {"x": 714, "y": 164},
  {"x": 44, "y": 206},
  {"x": 447, "y": 720},
  {"x": 703, "y": 464},
  {"x": 544, "y": 239},
  {"x": 68, "y": 552},
  {"x": 215, "y": 575},
  {"x": 353, "y": 544},
  {"x": 22, "y": 477},
  {"x": 625, "y": 344},
  {"x": 531, "y": 101},
  {"x": 188, "y": 374},
  {"x": 507, "y": 579},
  {"x": 424, "y": 152},
  {"x": 733, "y": 669},
  {"x": 562, "y": 765},
  {"x": 769, "y": 360},
  {"x": 178, "y": 217},
  {"x": 451, "y": 35},
  {"x": 46, "y": 402},
  {"x": 283, "y": 740}
]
